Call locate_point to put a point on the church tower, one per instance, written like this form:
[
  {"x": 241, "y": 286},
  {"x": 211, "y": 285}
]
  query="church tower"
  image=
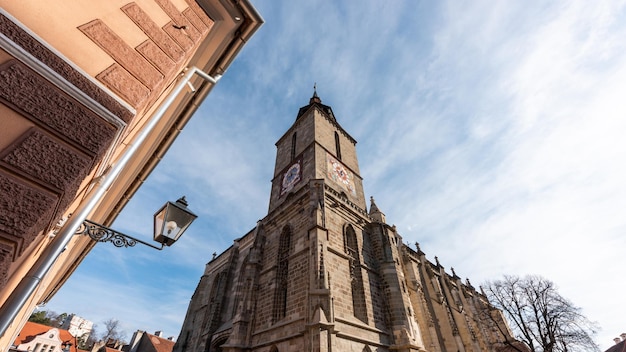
[
  {"x": 320, "y": 273},
  {"x": 316, "y": 147}
]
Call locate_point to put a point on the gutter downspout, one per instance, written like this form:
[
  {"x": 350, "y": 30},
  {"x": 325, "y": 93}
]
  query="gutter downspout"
[{"x": 29, "y": 283}]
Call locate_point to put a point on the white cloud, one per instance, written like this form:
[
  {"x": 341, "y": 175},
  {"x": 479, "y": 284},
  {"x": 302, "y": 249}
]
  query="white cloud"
[{"x": 549, "y": 202}]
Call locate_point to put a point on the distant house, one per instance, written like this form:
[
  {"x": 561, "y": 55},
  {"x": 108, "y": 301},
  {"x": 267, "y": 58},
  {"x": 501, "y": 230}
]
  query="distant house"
[
  {"x": 144, "y": 342},
  {"x": 104, "y": 348},
  {"x": 110, "y": 345},
  {"x": 79, "y": 327},
  {"x": 140, "y": 342},
  {"x": 42, "y": 338}
]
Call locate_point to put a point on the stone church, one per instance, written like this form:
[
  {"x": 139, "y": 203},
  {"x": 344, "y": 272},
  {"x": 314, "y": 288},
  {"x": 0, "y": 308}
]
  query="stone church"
[{"x": 322, "y": 273}]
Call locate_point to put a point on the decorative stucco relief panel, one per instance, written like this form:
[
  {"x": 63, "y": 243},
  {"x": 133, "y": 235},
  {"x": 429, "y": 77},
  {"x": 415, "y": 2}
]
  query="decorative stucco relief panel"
[
  {"x": 124, "y": 84},
  {"x": 40, "y": 171},
  {"x": 43, "y": 54},
  {"x": 154, "y": 32},
  {"x": 200, "y": 12},
  {"x": 47, "y": 160},
  {"x": 28, "y": 93},
  {"x": 157, "y": 57},
  {"x": 179, "y": 20},
  {"x": 122, "y": 53},
  {"x": 179, "y": 34},
  {"x": 196, "y": 21},
  {"x": 26, "y": 210}
]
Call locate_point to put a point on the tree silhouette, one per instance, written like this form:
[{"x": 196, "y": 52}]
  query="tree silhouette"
[
  {"x": 47, "y": 317},
  {"x": 112, "y": 331},
  {"x": 539, "y": 316}
]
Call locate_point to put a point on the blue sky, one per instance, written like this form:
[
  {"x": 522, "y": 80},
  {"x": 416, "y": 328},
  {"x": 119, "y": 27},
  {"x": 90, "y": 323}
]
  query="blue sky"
[{"x": 489, "y": 132}]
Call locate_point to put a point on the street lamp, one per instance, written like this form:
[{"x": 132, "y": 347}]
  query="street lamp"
[{"x": 169, "y": 224}]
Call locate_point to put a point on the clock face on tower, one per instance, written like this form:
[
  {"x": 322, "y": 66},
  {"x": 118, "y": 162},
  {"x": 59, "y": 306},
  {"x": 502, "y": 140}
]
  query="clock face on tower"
[
  {"x": 291, "y": 176},
  {"x": 337, "y": 172}
]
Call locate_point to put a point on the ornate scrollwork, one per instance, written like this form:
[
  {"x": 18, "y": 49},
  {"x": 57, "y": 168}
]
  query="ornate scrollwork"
[{"x": 100, "y": 233}]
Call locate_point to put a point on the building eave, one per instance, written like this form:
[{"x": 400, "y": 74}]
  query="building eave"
[{"x": 180, "y": 114}]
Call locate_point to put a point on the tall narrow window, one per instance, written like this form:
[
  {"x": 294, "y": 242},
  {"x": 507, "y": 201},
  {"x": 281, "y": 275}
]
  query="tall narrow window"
[
  {"x": 216, "y": 297},
  {"x": 337, "y": 146},
  {"x": 356, "y": 276},
  {"x": 293, "y": 146},
  {"x": 282, "y": 277}
]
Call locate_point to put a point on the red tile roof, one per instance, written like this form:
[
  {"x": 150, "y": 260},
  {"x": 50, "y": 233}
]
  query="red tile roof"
[
  {"x": 32, "y": 330},
  {"x": 160, "y": 344}
]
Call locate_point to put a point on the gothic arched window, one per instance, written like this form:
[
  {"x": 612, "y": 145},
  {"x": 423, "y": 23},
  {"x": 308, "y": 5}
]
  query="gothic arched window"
[
  {"x": 293, "y": 146},
  {"x": 216, "y": 298},
  {"x": 282, "y": 277},
  {"x": 356, "y": 276}
]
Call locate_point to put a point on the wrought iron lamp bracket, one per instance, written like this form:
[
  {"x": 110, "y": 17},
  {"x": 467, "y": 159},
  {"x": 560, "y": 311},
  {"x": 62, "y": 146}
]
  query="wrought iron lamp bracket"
[{"x": 101, "y": 233}]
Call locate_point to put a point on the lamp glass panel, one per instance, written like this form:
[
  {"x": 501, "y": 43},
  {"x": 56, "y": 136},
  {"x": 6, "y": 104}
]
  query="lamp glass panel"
[
  {"x": 181, "y": 217},
  {"x": 159, "y": 223},
  {"x": 171, "y": 221}
]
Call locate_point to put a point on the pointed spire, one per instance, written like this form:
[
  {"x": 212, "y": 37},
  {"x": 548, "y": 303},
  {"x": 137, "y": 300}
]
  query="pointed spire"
[
  {"x": 315, "y": 98},
  {"x": 375, "y": 213},
  {"x": 454, "y": 275},
  {"x": 316, "y": 102},
  {"x": 418, "y": 249},
  {"x": 373, "y": 207}
]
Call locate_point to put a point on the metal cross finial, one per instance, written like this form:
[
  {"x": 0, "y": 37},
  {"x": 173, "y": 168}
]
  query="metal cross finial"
[{"x": 315, "y": 98}]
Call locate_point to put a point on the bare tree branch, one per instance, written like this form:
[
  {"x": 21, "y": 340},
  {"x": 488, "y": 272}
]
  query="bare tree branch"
[
  {"x": 541, "y": 318},
  {"x": 112, "y": 331}
]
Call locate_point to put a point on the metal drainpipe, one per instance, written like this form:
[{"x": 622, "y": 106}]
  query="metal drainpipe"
[{"x": 31, "y": 280}]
